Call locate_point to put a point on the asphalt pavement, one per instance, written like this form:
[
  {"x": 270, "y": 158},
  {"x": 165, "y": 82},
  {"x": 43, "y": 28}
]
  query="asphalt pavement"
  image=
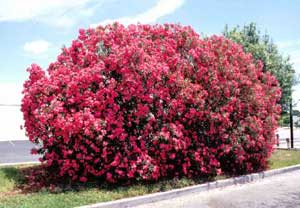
[
  {"x": 16, "y": 151},
  {"x": 284, "y": 133},
  {"x": 280, "y": 191}
]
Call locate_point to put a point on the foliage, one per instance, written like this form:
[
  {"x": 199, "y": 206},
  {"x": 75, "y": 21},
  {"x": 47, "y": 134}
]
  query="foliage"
[
  {"x": 296, "y": 113},
  {"x": 263, "y": 49},
  {"x": 147, "y": 102},
  {"x": 284, "y": 119}
]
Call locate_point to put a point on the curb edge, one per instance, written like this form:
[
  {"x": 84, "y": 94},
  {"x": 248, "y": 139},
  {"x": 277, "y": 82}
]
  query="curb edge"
[{"x": 19, "y": 163}]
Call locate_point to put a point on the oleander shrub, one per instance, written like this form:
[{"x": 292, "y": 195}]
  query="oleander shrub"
[{"x": 149, "y": 101}]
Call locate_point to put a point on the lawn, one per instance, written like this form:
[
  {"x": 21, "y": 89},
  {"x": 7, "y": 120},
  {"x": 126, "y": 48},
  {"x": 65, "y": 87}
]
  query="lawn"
[
  {"x": 11, "y": 196},
  {"x": 284, "y": 158}
]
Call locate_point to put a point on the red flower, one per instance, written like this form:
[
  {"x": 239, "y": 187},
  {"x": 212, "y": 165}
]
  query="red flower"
[
  {"x": 147, "y": 102},
  {"x": 83, "y": 179}
]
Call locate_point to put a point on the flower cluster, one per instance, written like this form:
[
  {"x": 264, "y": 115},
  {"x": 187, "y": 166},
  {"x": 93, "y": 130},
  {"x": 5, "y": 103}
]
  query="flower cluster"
[{"x": 144, "y": 102}]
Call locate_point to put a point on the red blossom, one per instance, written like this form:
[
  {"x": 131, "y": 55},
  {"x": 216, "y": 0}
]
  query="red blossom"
[{"x": 144, "y": 102}]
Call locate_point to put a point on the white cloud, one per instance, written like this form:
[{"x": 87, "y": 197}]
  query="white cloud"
[
  {"x": 295, "y": 57},
  {"x": 288, "y": 44},
  {"x": 61, "y": 13},
  {"x": 36, "y": 47},
  {"x": 62, "y": 22},
  {"x": 162, "y": 8}
]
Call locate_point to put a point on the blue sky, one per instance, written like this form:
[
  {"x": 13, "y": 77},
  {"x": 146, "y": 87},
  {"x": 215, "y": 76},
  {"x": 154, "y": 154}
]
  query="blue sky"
[{"x": 33, "y": 31}]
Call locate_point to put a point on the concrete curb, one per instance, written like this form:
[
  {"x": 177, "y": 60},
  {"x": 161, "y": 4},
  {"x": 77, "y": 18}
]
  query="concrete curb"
[
  {"x": 135, "y": 201},
  {"x": 19, "y": 163}
]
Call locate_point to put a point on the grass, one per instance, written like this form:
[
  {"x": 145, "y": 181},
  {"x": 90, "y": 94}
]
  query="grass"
[
  {"x": 11, "y": 196},
  {"x": 9, "y": 178},
  {"x": 284, "y": 158}
]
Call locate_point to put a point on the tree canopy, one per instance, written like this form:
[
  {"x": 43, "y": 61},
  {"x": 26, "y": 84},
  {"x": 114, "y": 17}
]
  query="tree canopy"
[{"x": 262, "y": 48}]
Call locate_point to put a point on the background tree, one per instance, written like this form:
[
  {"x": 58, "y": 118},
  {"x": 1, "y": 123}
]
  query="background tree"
[{"x": 263, "y": 48}]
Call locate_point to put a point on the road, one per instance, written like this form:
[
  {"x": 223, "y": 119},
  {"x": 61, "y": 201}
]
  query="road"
[
  {"x": 285, "y": 133},
  {"x": 16, "y": 151},
  {"x": 281, "y": 191}
]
